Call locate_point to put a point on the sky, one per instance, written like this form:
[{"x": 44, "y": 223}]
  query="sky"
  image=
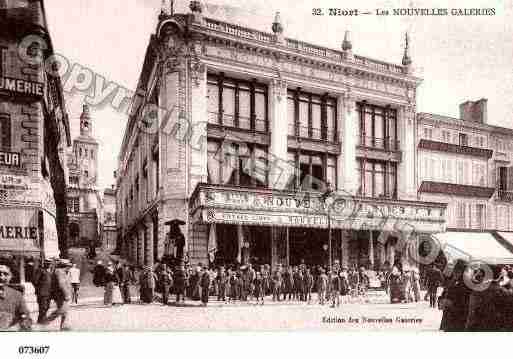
[{"x": 460, "y": 58}]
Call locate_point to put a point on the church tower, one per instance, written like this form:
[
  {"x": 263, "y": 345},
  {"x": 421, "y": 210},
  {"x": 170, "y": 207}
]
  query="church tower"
[{"x": 85, "y": 151}]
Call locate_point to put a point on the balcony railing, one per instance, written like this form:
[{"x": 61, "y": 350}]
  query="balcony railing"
[
  {"x": 319, "y": 134},
  {"x": 506, "y": 196},
  {"x": 453, "y": 148},
  {"x": 456, "y": 189},
  {"x": 301, "y": 46},
  {"x": 244, "y": 123},
  {"x": 386, "y": 144}
]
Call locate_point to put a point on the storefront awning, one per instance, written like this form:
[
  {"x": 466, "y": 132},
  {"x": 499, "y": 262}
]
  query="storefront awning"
[{"x": 473, "y": 246}]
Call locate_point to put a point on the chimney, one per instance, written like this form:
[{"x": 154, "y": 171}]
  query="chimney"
[{"x": 474, "y": 111}]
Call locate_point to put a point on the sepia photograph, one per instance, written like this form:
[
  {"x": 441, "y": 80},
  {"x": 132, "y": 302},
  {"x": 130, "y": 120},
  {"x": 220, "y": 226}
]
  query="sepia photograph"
[{"x": 255, "y": 166}]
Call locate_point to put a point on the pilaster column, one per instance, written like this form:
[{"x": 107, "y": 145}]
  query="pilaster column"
[
  {"x": 279, "y": 174},
  {"x": 346, "y": 235},
  {"x": 346, "y": 162},
  {"x": 407, "y": 187},
  {"x": 371, "y": 250},
  {"x": 148, "y": 243},
  {"x": 198, "y": 111}
]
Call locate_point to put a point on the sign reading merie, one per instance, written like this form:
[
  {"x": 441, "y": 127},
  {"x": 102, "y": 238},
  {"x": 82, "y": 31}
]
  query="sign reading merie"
[{"x": 21, "y": 87}]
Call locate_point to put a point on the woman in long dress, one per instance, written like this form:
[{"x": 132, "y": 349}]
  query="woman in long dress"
[{"x": 112, "y": 293}]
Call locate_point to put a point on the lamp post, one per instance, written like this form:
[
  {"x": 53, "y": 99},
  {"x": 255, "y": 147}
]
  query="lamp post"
[{"x": 327, "y": 199}]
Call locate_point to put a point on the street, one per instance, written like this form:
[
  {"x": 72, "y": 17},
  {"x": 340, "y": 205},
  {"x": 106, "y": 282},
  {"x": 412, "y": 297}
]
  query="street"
[{"x": 242, "y": 316}]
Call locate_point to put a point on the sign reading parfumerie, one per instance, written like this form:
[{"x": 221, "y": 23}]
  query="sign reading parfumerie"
[{"x": 21, "y": 87}]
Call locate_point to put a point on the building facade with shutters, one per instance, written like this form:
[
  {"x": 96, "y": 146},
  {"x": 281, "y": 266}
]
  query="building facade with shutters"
[
  {"x": 240, "y": 133},
  {"x": 34, "y": 134},
  {"x": 466, "y": 162}
]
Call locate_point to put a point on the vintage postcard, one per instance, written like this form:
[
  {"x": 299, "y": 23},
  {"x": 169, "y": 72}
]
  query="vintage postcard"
[{"x": 255, "y": 165}]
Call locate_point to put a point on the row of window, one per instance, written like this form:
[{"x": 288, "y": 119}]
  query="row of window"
[
  {"x": 470, "y": 215},
  {"x": 244, "y": 105},
  {"x": 450, "y": 170},
  {"x": 247, "y": 165},
  {"x": 84, "y": 153},
  {"x": 454, "y": 137}
]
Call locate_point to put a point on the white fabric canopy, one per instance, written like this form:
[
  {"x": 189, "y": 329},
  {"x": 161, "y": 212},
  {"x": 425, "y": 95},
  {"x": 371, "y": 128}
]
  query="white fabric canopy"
[{"x": 470, "y": 246}]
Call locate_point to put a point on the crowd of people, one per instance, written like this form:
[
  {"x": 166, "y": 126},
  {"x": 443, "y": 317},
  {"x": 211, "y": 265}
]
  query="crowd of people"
[{"x": 474, "y": 300}]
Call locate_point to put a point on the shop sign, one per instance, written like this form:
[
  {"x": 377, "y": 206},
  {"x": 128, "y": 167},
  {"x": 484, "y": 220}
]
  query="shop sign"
[
  {"x": 19, "y": 230},
  {"x": 260, "y": 201},
  {"x": 21, "y": 87},
  {"x": 10, "y": 159}
]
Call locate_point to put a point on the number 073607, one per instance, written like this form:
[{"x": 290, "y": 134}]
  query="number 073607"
[{"x": 33, "y": 350}]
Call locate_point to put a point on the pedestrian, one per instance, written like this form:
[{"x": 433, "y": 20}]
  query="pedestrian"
[
  {"x": 98, "y": 274},
  {"x": 246, "y": 283},
  {"x": 180, "y": 283},
  {"x": 205, "y": 285},
  {"x": 276, "y": 283},
  {"x": 288, "y": 284},
  {"x": 148, "y": 282},
  {"x": 61, "y": 293},
  {"x": 165, "y": 280},
  {"x": 13, "y": 308},
  {"x": 335, "y": 289},
  {"x": 322, "y": 285},
  {"x": 266, "y": 277},
  {"x": 297, "y": 277},
  {"x": 455, "y": 300},
  {"x": 112, "y": 294},
  {"x": 125, "y": 279},
  {"x": 233, "y": 286},
  {"x": 395, "y": 284},
  {"x": 490, "y": 309},
  {"x": 434, "y": 279},
  {"x": 344, "y": 285},
  {"x": 258, "y": 288},
  {"x": 251, "y": 276},
  {"x": 74, "y": 274},
  {"x": 43, "y": 290},
  {"x": 221, "y": 280},
  {"x": 308, "y": 285}
]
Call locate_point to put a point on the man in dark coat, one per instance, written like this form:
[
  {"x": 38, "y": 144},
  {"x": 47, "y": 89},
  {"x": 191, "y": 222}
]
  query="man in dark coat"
[
  {"x": 43, "y": 288},
  {"x": 125, "y": 279},
  {"x": 490, "y": 309},
  {"x": 205, "y": 285},
  {"x": 165, "y": 280},
  {"x": 308, "y": 285},
  {"x": 180, "y": 283},
  {"x": 13, "y": 308},
  {"x": 455, "y": 300},
  {"x": 434, "y": 279},
  {"x": 221, "y": 279}
]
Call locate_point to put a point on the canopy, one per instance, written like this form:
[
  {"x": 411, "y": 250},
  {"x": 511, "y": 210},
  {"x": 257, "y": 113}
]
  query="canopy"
[
  {"x": 508, "y": 236},
  {"x": 473, "y": 246}
]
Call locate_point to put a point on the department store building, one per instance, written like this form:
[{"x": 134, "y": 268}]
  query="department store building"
[{"x": 268, "y": 147}]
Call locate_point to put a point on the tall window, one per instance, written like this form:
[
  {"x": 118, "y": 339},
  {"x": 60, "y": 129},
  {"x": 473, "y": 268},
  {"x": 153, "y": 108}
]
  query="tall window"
[
  {"x": 73, "y": 204},
  {"x": 311, "y": 116},
  {"x": 428, "y": 133},
  {"x": 480, "y": 216},
  {"x": 312, "y": 171},
  {"x": 5, "y": 132},
  {"x": 460, "y": 214},
  {"x": 378, "y": 127},
  {"x": 378, "y": 179},
  {"x": 463, "y": 139},
  {"x": 237, "y": 164},
  {"x": 237, "y": 103}
]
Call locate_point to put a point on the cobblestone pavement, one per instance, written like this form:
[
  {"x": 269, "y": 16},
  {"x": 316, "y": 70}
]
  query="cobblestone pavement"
[{"x": 243, "y": 316}]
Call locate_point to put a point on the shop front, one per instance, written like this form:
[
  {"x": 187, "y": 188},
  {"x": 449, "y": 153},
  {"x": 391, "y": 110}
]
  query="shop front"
[{"x": 231, "y": 225}]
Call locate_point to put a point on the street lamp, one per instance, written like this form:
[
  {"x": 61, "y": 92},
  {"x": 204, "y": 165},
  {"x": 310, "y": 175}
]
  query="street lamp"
[{"x": 327, "y": 199}]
